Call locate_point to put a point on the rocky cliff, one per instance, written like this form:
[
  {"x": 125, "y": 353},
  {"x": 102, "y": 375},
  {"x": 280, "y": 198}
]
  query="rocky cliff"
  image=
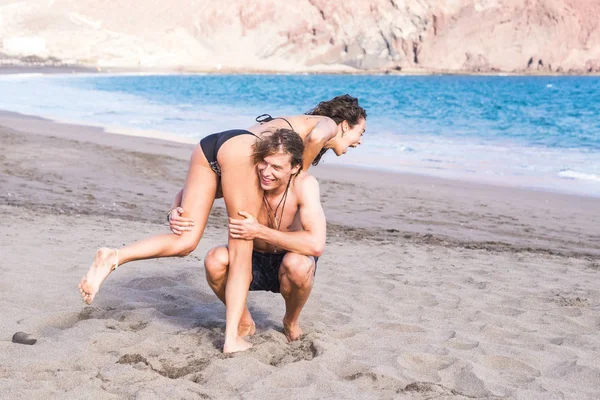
[{"x": 306, "y": 35}]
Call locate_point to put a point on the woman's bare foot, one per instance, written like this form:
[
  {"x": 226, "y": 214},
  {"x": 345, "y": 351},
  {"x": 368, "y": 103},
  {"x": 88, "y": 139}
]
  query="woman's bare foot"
[
  {"x": 291, "y": 330},
  {"x": 104, "y": 263},
  {"x": 233, "y": 346}
]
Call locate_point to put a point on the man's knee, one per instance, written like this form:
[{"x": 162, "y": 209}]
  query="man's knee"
[
  {"x": 297, "y": 268},
  {"x": 216, "y": 262}
]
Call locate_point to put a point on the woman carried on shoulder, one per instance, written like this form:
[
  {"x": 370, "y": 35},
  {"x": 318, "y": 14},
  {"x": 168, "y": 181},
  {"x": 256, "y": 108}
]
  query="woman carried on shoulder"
[{"x": 224, "y": 162}]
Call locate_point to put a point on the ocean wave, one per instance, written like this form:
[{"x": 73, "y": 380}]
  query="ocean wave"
[
  {"x": 569, "y": 174},
  {"x": 104, "y": 113},
  {"x": 21, "y": 76},
  {"x": 406, "y": 149}
]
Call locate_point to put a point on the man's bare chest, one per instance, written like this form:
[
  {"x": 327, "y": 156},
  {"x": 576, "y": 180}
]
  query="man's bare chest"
[{"x": 278, "y": 214}]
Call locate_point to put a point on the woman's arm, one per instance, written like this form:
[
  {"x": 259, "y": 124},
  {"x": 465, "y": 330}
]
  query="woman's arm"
[{"x": 323, "y": 131}]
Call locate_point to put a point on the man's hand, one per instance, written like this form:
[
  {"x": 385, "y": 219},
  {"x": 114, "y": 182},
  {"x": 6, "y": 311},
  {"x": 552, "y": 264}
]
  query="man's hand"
[
  {"x": 246, "y": 229},
  {"x": 179, "y": 224}
]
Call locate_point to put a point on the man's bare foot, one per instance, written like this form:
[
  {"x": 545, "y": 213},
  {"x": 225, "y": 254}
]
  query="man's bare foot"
[
  {"x": 246, "y": 329},
  {"x": 103, "y": 265},
  {"x": 234, "y": 346},
  {"x": 291, "y": 330}
]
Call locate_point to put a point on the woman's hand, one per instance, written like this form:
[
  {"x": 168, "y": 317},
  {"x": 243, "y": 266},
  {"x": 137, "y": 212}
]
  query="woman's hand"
[{"x": 179, "y": 224}]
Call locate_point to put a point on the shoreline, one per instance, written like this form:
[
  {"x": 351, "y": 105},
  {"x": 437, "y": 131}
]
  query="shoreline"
[
  {"x": 388, "y": 223},
  {"x": 343, "y": 70},
  {"x": 389, "y": 172},
  {"x": 166, "y": 136}
]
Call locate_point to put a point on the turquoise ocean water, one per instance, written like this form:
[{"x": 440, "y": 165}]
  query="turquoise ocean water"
[{"x": 540, "y": 132}]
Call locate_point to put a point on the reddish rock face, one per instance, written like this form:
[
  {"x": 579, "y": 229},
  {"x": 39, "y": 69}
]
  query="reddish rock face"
[{"x": 321, "y": 35}]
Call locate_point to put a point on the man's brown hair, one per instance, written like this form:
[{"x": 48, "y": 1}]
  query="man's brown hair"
[{"x": 281, "y": 141}]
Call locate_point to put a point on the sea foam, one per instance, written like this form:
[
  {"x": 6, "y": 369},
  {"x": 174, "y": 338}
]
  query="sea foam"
[{"x": 579, "y": 175}]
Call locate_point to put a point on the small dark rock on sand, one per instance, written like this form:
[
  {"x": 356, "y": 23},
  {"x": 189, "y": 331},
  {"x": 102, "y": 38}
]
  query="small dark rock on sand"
[{"x": 23, "y": 338}]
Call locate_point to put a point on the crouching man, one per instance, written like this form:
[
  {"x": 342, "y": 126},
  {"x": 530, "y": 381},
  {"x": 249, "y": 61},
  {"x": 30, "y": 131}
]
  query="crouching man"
[{"x": 288, "y": 233}]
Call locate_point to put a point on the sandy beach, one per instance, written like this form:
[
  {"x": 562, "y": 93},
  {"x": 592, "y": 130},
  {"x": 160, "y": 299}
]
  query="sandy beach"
[{"x": 428, "y": 288}]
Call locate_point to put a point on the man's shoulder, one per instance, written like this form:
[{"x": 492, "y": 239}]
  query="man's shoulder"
[
  {"x": 304, "y": 179},
  {"x": 305, "y": 185}
]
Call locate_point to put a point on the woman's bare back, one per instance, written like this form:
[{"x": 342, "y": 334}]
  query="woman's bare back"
[{"x": 303, "y": 125}]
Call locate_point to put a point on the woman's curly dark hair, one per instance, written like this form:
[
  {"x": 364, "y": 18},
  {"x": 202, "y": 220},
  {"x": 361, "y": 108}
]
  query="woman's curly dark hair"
[{"x": 340, "y": 109}]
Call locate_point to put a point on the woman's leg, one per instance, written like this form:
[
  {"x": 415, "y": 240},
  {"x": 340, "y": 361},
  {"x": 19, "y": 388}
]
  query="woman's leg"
[
  {"x": 242, "y": 192},
  {"x": 198, "y": 197}
]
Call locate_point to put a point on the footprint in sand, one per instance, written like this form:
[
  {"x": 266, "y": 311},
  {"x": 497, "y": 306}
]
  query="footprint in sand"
[
  {"x": 574, "y": 371},
  {"x": 167, "y": 368},
  {"x": 376, "y": 381},
  {"x": 114, "y": 319},
  {"x": 424, "y": 367},
  {"x": 426, "y": 361},
  {"x": 65, "y": 321},
  {"x": 431, "y": 391},
  {"x": 496, "y": 333},
  {"x": 388, "y": 286},
  {"x": 558, "y": 341},
  {"x": 506, "y": 311},
  {"x": 468, "y": 384},
  {"x": 459, "y": 344},
  {"x": 475, "y": 284},
  {"x": 567, "y": 312},
  {"x": 344, "y": 334},
  {"x": 570, "y": 301},
  {"x": 274, "y": 349},
  {"x": 138, "y": 326},
  {"x": 511, "y": 366},
  {"x": 303, "y": 350},
  {"x": 594, "y": 265},
  {"x": 336, "y": 318}
]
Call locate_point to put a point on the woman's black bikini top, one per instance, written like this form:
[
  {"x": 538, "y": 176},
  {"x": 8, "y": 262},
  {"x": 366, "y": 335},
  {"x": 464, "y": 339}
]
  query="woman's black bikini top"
[{"x": 267, "y": 118}]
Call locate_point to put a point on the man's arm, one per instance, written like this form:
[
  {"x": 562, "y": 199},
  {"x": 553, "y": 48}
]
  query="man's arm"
[{"x": 309, "y": 242}]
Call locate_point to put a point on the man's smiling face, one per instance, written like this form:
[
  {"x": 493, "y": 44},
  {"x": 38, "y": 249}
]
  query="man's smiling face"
[{"x": 275, "y": 170}]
